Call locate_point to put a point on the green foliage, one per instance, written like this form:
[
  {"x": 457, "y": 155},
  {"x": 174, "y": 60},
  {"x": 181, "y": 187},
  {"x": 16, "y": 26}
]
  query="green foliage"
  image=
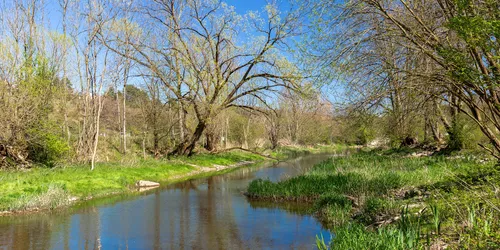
[
  {"x": 364, "y": 135},
  {"x": 373, "y": 207},
  {"x": 477, "y": 29},
  {"x": 464, "y": 134},
  {"x": 324, "y": 179},
  {"x": 405, "y": 234},
  {"x": 335, "y": 209},
  {"x": 360, "y": 128},
  {"x": 356, "y": 236},
  {"x": 47, "y": 147},
  {"x": 436, "y": 218},
  {"x": 135, "y": 96},
  {"x": 53, "y": 196},
  {"x": 29, "y": 128}
]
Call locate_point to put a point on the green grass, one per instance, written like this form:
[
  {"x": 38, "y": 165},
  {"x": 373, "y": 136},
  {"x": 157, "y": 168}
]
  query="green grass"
[
  {"x": 219, "y": 159},
  {"x": 386, "y": 200},
  {"x": 41, "y": 187},
  {"x": 294, "y": 151}
]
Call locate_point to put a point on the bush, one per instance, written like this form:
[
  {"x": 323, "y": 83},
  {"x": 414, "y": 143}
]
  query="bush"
[{"x": 47, "y": 148}]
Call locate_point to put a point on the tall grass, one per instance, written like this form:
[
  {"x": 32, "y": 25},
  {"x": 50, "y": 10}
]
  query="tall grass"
[
  {"x": 406, "y": 234},
  {"x": 386, "y": 200},
  {"x": 54, "y": 196}
]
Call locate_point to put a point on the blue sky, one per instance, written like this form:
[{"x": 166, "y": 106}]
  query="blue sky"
[{"x": 243, "y": 6}]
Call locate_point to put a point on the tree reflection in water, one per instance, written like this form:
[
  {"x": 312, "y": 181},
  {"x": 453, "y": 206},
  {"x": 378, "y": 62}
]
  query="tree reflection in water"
[{"x": 209, "y": 213}]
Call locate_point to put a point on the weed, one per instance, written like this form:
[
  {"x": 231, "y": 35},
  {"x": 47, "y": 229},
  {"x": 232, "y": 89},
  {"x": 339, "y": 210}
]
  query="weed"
[
  {"x": 320, "y": 243},
  {"x": 436, "y": 218},
  {"x": 53, "y": 197}
]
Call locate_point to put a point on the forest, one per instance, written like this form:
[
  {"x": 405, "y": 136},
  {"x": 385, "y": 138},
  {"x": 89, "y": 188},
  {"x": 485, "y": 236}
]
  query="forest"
[
  {"x": 106, "y": 85},
  {"x": 112, "y": 79}
]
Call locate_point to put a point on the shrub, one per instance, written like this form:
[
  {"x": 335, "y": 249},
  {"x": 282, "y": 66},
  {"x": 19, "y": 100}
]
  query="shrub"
[{"x": 47, "y": 148}]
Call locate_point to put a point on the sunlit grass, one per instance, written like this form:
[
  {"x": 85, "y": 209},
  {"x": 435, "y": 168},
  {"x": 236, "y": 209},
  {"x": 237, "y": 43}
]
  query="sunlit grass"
[
  {"x": 42, "y": 187},
  {"x": 22, "y": 190},
  {"x": 387, "y": 200}
]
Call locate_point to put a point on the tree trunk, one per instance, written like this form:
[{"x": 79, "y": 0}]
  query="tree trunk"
[
  {"x": 96, "y": 133},
  {"x": 435, "y": 133},
  {"x": 118, "y": 116},
  {"x": 156, "y": 142},
  {"x": 187, "y": 147},
  {"x": 182, "y": 122},
  {"x": 124, "y": 120},
  {"x": 226, "y": 138},
  {"x": 455, "y": 141},
  {"x": 273, "y": 135},
  {"x": 211, "y": 140},
  {"x": 144, "y": 145}
]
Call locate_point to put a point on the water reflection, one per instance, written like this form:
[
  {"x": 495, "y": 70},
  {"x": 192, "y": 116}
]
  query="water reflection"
[{"x": 208, "y": 213}]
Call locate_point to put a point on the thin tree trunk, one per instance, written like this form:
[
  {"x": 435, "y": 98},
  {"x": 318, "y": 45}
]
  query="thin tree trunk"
[
  {"x": 182, "y": 120},
  {"x": 187, "y": 147},
  {"x": 227, "y": 133},
  {"x": 144, "y": 146},
  {"x": 96, "y": 135},
  {"x": 118, "y": 114},
  {"x": 124, "y": 120}
]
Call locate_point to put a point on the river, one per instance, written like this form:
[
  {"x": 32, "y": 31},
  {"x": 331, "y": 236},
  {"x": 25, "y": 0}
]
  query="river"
[{"x": 207, "y": 213}]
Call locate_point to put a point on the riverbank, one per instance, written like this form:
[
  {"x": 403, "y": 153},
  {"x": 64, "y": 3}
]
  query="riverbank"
[
  {"x": 388, "y": 200},
  {"x": 48, "y": 188}
]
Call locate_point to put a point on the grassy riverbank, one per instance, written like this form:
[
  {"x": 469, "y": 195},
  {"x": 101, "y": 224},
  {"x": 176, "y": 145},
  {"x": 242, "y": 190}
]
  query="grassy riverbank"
[
  {"x": 46, "y": 188},
  {"x": 384, "y": 200},
  {"x": 49, "y": 188}
]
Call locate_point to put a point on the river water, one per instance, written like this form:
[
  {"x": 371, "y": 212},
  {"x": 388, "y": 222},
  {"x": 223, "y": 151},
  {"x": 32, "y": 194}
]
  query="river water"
[{"x": 208, "y": 213}]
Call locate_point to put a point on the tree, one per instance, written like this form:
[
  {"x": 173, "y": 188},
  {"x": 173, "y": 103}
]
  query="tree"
[
  {"x": 196, "y": 54},
  {"x": 448, "y": 50},
  {"x": 92, "y": 73},
  {"x": 28, "y": 83},
  {"x": 158, "y": 114}
]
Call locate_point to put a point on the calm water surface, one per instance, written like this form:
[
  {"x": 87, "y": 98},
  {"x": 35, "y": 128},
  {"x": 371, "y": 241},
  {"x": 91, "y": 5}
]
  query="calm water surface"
[{"x": 208, "y": 213}]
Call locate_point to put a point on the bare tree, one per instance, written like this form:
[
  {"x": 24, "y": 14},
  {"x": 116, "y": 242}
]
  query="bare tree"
[
  {"x": 196, "y": 54},
  {"x": 93, "y": 77},
  {"x": 433, "y": 48}
]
